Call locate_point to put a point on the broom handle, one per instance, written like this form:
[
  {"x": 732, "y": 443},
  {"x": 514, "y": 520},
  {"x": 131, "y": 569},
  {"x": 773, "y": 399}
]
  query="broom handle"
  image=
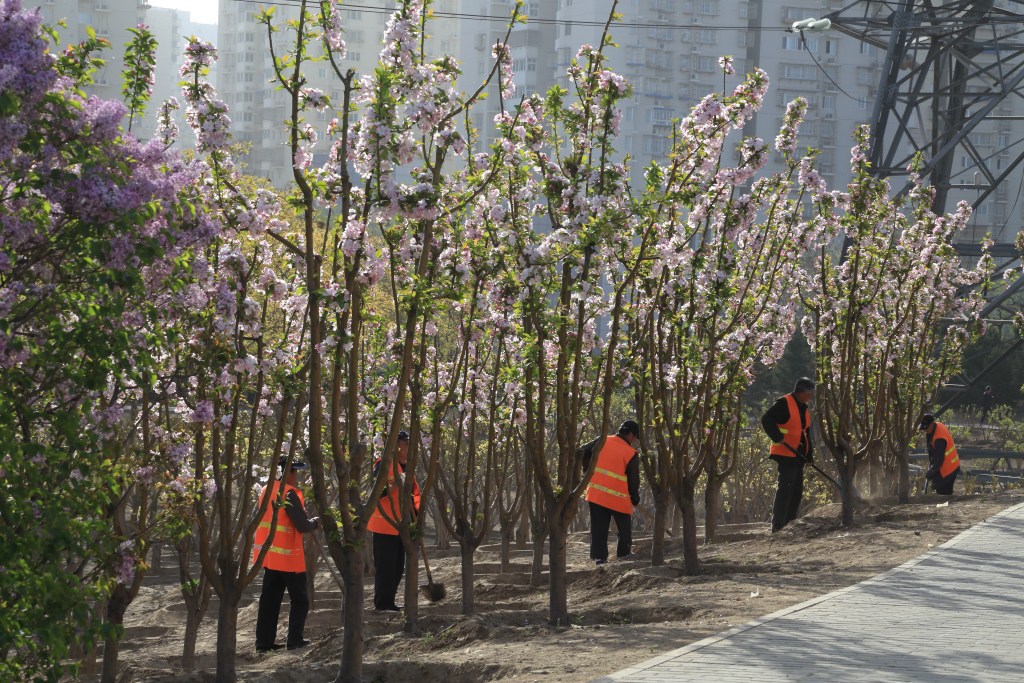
[{"x": 426, "y": 565}]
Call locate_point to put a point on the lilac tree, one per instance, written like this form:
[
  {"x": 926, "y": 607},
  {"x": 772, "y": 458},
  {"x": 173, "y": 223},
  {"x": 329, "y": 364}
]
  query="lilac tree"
[{"x": 91, "y": 223}]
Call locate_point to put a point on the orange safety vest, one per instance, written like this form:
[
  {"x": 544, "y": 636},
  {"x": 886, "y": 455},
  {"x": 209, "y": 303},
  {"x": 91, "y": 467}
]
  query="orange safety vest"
[
  {"x": 286, "y": 553},
  {"x": 951, "y": 460},
  {"x": 609, "y": 487},
  {"x": 794, "y": 431},
  {"x": 379, "y": 524}
]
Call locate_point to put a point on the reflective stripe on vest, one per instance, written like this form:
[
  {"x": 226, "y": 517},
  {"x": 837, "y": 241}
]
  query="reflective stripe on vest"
[
  {"x": 950, "y": 459},
  {"x": 793, "y": 430},
  {"x": 285, "y": 553},
  {"x": 610, "y": 487}
]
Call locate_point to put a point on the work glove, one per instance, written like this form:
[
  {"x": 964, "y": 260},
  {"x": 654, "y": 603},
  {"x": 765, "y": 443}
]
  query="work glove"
[
  {"x": 316, "y": 522},
  {"x": 930, "y": 474}
]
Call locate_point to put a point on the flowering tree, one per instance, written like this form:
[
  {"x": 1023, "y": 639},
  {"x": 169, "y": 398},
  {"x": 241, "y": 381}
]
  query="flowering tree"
[
  {"x": 238, "y": 395},
  {"x": 718, "y": 297},
  {"x": 570, "y": 279},
  {"x": 91, "y": 222},
  {"x": 872, "y": 313},
  {"x": 401, "y": 122}
]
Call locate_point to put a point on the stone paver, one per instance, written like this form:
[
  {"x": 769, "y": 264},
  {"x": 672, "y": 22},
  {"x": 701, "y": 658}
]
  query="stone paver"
[{"x": 953, "y": 614}]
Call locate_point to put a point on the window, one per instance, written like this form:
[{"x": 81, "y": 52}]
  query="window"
[
  {"x": 707, "y": 64},
  {"x": 567, "y": 29},
  {"x": 796, "y": 14},
  {"x": 862, "y": 102},
  {"x": 791, "y": 43},
  {"x": 868, "y": 50},
  {"x": 828, "y": 101},
  {"x": 865, "y": 76},
  {"x": 982, "y": 139},
  {"x": 656, "y": 145},
  {"x": 707, "y": 36},
  {"x": 799, "y": 72},
  {"x": 356, "y": 36},
  {"x": 634, "y": 55},
  {"x": 354, "y": 56},
  {"x": 744, "y": 10},
  {"x": 353, "y": 14},
  {"x": 741, "y": 39},
  {"x": 661, "y": 115},
  {"x": 831, "y": 47},
  {"x": 707, "y": 7},
  {"x": 531, "y": 9}
]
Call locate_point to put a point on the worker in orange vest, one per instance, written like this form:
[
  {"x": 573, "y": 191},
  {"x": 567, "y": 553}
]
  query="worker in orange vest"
[
  {"x": 614, "y": 490},
  {"x": 388, "y": 551},
  {"x": 788, "y": 424},
  {"x": 944, "y": 462},
  {"x": 284, "y": 565}
]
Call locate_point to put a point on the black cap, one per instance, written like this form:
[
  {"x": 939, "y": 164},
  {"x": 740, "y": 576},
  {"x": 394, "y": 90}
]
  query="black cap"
[
  {"x": 296, "y": 464},
  {"x": 403, "y": 435},
  {"x": 926, "y": 420},
  {"x": 629, "y": 427}
]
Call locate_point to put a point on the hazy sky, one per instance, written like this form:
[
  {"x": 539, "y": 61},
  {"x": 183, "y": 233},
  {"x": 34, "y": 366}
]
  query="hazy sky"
[{"x": 202, "y": 11}]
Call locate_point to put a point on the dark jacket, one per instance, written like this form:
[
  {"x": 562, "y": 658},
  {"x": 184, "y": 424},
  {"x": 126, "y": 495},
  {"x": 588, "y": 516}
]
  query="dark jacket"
[
  {"x": 632, "y": 469},
  {"x": 777, "y": 415}
]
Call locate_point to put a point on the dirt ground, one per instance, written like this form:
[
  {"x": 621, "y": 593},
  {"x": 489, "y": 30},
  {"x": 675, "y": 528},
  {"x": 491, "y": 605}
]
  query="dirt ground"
[{"x": 623, "y": 612}]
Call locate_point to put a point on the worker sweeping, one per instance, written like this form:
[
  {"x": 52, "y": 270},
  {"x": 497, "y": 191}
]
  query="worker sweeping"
[
  {"x": 943, "y": 461},
  {"x": 788, "y": 424},
  {"x": 388, "y": 551}
]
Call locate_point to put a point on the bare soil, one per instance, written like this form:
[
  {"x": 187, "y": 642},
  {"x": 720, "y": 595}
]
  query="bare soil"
[{"x": 623, "y": 612}]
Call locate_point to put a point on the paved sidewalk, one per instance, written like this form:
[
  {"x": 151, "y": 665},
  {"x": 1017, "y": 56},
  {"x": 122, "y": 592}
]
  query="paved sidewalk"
[{"x": 953, "y": 614}]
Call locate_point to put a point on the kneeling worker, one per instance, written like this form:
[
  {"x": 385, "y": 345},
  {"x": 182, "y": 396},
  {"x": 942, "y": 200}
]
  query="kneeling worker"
[{"x": 943, "y": 461}]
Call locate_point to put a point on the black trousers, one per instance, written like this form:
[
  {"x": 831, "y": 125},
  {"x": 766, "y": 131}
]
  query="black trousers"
[
  {"x": 944, "y": 485},
  {"x": 788, "y": 493},
  {"x": 600, "y": 523},
  {"x": 274, "y": 585},
  {"x": 389, "y": 562}
]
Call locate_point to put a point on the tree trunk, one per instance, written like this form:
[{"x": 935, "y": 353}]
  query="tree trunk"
[
  {"x": 677, "y": 521},
  {"x": 467, "y": 579},
  {"x": 558, "y": 589},
  {"x": 903, "y": 466},
  {"x": 412, "y": 586},
  {"x": 523, "y": 532},
  {"x": 193, "y": 617},
  {"x": 712, "y": 506},
  {"x": 352, "y": 617},
  {"x": 508, "y": 531},
  {"x": 443, "y": 540},
  {"x": 227, "y": 635},
  {"x": 687, "y": 503},
  {"x": 661, "y": 507},
  {"x": 537, "y": 566},
  {"x": 847, "y": 493},
  {"x": 117, "y": 604}
]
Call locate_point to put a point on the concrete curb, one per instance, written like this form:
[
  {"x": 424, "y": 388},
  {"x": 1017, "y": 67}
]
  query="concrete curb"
[{"x": 718, "y": 637}]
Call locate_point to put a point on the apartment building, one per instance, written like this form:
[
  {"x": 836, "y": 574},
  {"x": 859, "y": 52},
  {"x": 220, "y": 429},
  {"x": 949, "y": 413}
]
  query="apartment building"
[
  {"x": 111, "y": 20},
  {"x": 248, "y": 84}
]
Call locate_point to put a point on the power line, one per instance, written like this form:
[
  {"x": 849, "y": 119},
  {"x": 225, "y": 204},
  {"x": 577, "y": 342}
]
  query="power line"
[{"x": 466, "y": 16}]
